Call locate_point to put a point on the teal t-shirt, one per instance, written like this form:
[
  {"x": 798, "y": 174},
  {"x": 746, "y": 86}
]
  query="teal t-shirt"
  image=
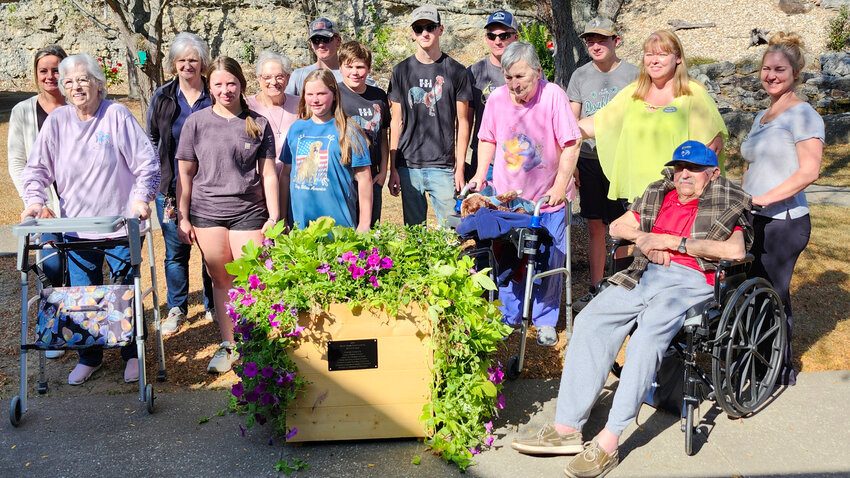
[{"x": 318, "y": 184}]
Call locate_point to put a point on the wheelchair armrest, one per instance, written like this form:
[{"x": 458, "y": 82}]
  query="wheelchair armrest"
[
  {"x": 729, "y": 270},
  {"x": 612, "y": 264}
]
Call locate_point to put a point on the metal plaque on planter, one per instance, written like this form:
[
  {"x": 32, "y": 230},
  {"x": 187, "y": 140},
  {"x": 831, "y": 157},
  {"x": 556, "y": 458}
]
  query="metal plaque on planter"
[{"x": 352, "y": 354}]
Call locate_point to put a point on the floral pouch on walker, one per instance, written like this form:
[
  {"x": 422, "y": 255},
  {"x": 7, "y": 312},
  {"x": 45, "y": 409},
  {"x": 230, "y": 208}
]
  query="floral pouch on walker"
[{"x": 81, "y": 317}]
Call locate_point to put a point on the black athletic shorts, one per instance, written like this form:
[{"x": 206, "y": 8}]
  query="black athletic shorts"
[
  {"x": 250, "y": 221},
  {"x": 593, "y": 190}
]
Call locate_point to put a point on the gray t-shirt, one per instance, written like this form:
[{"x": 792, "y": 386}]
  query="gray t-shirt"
[
  {"x": 296, "y": 80},
  {"x": 594, "y": 89},
  {"x": 771, "y": 155},
  {"x": 227, "y": 184},
  {"x": 484, "y": 77},
  {"x": 428, "y": 94}
]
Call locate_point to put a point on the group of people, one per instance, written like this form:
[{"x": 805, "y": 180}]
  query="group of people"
[{"x": 323, "y": 140}]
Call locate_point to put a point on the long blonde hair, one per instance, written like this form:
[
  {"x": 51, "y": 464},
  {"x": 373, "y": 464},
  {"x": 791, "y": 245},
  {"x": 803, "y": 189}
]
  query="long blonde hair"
[
  {"x": 791, "y": 45},
  {"x": 350, "y": 133},
  {"x": 666, "y": 41},
  {"x": 225, "y": 63}
]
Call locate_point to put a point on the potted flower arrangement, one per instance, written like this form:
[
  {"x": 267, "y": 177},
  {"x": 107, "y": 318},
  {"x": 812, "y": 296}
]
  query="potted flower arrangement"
[{"x": 301, "y": 274}]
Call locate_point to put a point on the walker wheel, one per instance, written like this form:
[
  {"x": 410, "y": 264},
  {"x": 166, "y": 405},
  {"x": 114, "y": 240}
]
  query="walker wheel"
[
  {"x": 15, "y": 411},
  {"x": 513, "y": 368},
  {"x": 149, "y": 398}
]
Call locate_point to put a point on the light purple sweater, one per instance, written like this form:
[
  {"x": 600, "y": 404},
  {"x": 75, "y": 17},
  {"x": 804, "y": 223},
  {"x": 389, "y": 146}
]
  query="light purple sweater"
[{"x": 100, "y": 166}]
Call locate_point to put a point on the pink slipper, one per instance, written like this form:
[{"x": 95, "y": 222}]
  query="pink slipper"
[
  {"x": 81, "y": 373},
  {"x": 131, "y": 371}
]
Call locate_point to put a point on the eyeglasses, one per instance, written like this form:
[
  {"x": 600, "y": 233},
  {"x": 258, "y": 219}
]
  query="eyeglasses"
[
  {"x": 694, "y": 168},
  {"x": 80, "y": 80},
  {"x": 501, "y": 36},
  {"x": 430, "y": 27},
  {"x": 276, "y": 78},
  {"x": 318, "y": 40}
]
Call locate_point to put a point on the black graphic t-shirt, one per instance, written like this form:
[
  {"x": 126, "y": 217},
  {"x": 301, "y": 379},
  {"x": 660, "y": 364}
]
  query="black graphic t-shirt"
[
  {"x": 484, "y": 77},
  {"x": 371, "y": 111},
  {"x": 428, "y": 94}
]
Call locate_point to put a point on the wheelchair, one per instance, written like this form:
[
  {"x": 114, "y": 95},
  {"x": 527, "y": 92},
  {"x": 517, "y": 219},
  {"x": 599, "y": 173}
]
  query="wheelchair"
[{"x": 742, "y": 329}]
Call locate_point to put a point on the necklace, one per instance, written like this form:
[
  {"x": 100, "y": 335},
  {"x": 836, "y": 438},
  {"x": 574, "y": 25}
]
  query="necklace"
[{"x": 276, "y": 128}]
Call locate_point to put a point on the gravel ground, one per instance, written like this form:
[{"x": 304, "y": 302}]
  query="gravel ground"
[{"x": 729, "y": 40}]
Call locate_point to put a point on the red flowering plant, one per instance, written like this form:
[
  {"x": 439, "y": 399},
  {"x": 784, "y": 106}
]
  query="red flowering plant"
[
  {"x": 387, "y": 269},
  {"x": 111, "y": 70}
]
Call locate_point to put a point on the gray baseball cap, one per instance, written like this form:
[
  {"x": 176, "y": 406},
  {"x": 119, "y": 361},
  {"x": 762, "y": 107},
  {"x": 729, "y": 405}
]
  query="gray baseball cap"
[
  {"x": 425, "y": 12},
  {"x": 599, "y": 26}
]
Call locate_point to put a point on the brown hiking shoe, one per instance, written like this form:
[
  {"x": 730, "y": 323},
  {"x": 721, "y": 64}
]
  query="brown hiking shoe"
[
  {"x": 549, "y": 442},
  {"x": 593, "y": 462}
]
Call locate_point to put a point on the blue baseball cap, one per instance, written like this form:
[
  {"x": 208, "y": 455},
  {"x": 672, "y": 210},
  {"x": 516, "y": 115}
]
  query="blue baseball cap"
[
  {"x": 503, "y": 18},
  {"x": 694, "y": 152}
]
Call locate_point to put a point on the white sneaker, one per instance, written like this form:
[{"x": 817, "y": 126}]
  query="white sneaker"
[
  {"x": 210, "y": 315},
  {"x": 54, "y": 354},
  {"x": 171, "y": 323},
  {"x": 223, "y": 359}
]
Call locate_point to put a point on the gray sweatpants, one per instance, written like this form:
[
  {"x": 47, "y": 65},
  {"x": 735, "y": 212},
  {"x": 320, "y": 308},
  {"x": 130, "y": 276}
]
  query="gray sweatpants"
[{"x": 658, "y": 303}]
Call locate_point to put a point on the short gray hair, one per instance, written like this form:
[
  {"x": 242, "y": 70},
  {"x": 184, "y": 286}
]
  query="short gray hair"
[
  {"x": 93, "y": 70},
  {"x": 268, "y": 55},
  {"x": 182, "y": 44},
  {"x": 517, "y": 51}
]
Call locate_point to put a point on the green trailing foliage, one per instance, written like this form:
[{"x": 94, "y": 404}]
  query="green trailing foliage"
[{"x": 538, "y": 36}]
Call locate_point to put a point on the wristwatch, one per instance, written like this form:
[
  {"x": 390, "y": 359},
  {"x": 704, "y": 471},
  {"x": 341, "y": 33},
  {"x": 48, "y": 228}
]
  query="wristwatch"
[{"x": 682, "y": 248}]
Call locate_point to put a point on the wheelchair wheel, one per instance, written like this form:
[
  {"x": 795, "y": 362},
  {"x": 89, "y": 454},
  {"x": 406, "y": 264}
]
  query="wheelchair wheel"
[
  {"x": 689, "y": 429},
  {"x": 748, "y": 351}
]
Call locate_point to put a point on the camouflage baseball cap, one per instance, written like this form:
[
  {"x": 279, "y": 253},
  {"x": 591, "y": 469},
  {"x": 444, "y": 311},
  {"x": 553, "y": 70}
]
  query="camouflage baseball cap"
[{"x": 599, "y": 26}]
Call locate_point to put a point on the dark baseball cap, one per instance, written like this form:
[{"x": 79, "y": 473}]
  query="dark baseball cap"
[
  {"x": 599, "y": 26},
  {"x": 693, "y": 152},
  {"x": 502, "y": 18},
  {"x": 323, "y": 27}
]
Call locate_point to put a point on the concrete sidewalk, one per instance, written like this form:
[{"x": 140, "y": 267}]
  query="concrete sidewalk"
[{"x": 803, "y": 432}]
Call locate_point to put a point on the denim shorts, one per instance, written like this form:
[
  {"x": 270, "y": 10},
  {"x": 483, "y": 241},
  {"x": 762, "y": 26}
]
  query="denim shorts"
[{"x": 250, "y": 221}]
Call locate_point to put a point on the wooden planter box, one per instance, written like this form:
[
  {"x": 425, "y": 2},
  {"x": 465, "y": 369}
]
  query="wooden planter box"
[{"x": 380, "y": 398}]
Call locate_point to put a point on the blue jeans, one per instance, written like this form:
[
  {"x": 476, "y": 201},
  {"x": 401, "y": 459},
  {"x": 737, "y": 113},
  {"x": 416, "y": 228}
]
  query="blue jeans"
[
  {"x": 177, "y": 266},
  {"x": 52, "y": 266},
  {"x": 437, "y": 182},
  {"x": 86, "y": 268}
]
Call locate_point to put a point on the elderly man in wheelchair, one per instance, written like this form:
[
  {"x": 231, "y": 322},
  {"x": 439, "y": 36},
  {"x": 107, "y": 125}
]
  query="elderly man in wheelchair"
[{"x": 682, "y": 227}]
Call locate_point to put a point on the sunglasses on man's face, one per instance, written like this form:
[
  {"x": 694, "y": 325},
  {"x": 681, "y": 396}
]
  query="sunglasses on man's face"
[
  {"x": 318, "y": 40},
  {"x": 501, "y": 36},
  {"x": 417, "y": 29}
]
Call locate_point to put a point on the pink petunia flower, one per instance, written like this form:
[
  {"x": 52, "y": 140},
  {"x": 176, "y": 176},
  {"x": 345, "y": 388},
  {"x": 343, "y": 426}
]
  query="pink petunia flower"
[
  {"x": 295, "y": 332},
  {"x": 489, "y": 440},
  {"x": 488, "y": 427},
  {"x": 474, "y": 450},
  {"x": 386, "y": 263},
  {"x": 357, "y": 272},
  {"x": 374, "y": 281}
]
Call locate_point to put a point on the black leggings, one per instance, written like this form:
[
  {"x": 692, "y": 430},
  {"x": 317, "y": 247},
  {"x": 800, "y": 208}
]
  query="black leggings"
[{"x": 778, "y": 244}]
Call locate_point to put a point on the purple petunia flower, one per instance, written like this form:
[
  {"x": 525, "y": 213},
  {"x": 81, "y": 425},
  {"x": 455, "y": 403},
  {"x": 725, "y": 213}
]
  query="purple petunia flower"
[
  {"x": 349, "y": 257},
  {"x": 233, "y": 294},
  {"x": 324, "y": 268},
  {"x": 474, "y": 450},
  {"x": 386, "y": 263},
  {"x": 495, "y": 375},
  {"x": 261, "y": 419},
  {"x": 291, "y": 433},
  {"x": 261, "y": 387},
  {"x": 285, "y": 379},
  {"x": 237, "y": 390},
  {"x": 332, "y": 276},
  {"x": 268, "y": 242},
  {"x": 253, "y": 282},
  {"x": 247, "y": 300},
  {"x": 252, "y": 396},
  {"x": 358, "y": 272},
  {"x": 293, "y": 311},
  {"x": 242, "y": 431},
  {"x": 488, "y": 427},
  {"x": 500, "y": 401},
  {"x": 489, "y": 440},
  {"x": 251, "y": 369},
  {"x": 361, "y": 255},
  {"x": 271, "y": 440},
  {"x": 267, "y": 372},
  {"x": 295, "y": 332},
  {"x": 374, "y": 281},
  {"x": 269, "y": 264},
  {"x": 373, "y": 261},
  {"x": 266, "y": 399}
]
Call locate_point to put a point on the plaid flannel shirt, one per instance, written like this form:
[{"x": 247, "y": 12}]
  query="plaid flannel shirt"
[{"x": 722, "y": 206}]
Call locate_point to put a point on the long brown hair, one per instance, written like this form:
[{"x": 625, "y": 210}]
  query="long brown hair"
[
  {"x": 49, "y": 50},
  {"x": 225, "y": 63},
  {"x": 350, "y": 133},
  {"x": 666, "y": 41}
]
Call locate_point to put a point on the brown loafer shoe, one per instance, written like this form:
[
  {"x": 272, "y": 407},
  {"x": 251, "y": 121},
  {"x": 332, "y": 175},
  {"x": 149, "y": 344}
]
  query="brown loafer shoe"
[
  {"x": 592, "y": 462},
  {"x": 549, "y": 442}
]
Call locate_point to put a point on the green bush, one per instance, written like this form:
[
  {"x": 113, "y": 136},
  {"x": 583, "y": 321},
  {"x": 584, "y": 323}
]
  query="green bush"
[
  {"x": 838, "y": 30},
  {"x": 537, "y": 35}
]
